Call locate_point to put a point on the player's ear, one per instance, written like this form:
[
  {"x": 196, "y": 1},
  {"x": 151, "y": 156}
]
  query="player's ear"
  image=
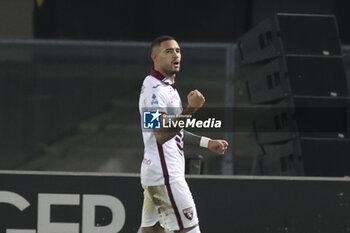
[
  {"x": 154, "y": 53},
  {"x": 153, "y": 56}
]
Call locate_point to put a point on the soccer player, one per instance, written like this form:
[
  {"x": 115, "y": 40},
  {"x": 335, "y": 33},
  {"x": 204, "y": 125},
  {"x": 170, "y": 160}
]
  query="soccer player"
[{"x": 168, "y": 203}]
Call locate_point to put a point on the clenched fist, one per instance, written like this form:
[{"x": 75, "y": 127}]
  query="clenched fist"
[
  {"x": 218, "y": 146},
  {"x": 195, "y": 99}
]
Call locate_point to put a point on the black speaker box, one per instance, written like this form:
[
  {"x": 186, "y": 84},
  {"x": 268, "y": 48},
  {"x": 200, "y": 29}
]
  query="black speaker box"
[
  {"x": 307, "y": 156},
  {"x": 301, "y": 34},
  {"x": 305, "y": 116},
  {"x": 291, "y": 85},
  {"x": 282, "y": 159},
  {"x": 296, "y": 75}
]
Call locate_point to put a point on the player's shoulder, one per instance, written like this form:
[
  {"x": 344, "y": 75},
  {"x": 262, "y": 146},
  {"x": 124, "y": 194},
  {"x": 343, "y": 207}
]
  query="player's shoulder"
[{"x": 154, "y": 85}]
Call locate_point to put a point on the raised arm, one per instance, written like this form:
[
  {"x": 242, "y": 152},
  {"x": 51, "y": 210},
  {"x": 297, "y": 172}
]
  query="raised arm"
[{"x": 195, "y": 101}]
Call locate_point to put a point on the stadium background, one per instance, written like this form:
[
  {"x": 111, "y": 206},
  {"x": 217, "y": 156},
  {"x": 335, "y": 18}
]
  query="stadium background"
[{"x": 71, "y": 72}]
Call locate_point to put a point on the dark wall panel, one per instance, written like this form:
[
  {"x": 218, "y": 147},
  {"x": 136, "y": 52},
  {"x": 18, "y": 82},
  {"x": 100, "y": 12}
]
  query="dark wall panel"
[
  {"x": 221, "y": 21},
  {"x": 141, "y": 20},
  {"x": 225, "y": 204}
]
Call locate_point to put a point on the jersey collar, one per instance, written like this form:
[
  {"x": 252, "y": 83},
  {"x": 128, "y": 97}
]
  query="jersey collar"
[{"x": 161, "y": 77}]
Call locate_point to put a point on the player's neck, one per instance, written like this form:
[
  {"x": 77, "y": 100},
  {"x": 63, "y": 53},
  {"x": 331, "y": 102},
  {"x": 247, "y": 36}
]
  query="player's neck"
[{"x": 171, "y": 77}]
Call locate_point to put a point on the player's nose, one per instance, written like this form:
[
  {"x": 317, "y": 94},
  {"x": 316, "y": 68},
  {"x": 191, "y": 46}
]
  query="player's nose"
[{"x": 176, "y": 55}]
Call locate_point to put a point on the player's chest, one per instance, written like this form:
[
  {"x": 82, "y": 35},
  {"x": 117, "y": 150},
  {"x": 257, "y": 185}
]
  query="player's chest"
[{"x": 174, "y": 99}]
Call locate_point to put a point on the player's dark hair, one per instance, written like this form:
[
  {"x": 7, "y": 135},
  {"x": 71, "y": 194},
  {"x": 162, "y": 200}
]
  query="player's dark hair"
[{"x": 157, "y": 41}]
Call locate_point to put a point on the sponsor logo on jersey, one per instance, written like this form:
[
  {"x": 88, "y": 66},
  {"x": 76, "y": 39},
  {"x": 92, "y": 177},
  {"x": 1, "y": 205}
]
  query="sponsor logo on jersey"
[{"x": 147, "y": 161}]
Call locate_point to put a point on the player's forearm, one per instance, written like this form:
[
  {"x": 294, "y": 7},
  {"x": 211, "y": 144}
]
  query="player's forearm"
[
  {"x": 164, "y": 134},
  {"x": 191, "y": 138},
  {"x": 195, "y": 139}
]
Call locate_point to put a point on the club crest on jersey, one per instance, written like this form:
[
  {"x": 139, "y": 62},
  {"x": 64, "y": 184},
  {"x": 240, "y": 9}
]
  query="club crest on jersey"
[
  {"x": 151, "y": 119},
  {"x": 154, "y": 99},
  {"x": 188, "y": 212}
]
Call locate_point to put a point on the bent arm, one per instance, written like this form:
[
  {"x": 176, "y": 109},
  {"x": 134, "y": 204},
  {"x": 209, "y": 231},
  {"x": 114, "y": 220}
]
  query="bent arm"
[
  {"x": 195, "y": 102},
  {"x": 164, "y": 134}
]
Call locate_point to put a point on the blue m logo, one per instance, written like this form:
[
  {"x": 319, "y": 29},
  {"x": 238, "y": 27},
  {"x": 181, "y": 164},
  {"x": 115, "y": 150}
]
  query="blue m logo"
[{"x": 151, "y": 120}]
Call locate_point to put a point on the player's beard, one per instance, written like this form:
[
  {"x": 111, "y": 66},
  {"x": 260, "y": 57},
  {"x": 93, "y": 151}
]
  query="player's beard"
[{"x": 170, "y": 71}]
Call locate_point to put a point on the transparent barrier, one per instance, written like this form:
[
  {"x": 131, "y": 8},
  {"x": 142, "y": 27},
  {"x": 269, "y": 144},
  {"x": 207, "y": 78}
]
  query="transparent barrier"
[{"x": 48, "y": 87}]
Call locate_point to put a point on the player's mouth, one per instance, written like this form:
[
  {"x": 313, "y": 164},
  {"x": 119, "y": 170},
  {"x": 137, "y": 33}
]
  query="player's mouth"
[{"x": 176, "y": 64}]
